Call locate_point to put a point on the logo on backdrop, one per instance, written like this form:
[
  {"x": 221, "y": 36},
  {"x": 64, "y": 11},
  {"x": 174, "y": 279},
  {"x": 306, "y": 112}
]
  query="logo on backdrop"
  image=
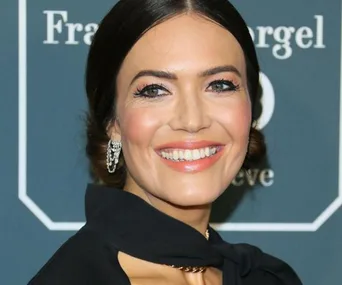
[
  {"x": 280, "y": 40},
  {"x": 60, "y": 29}
]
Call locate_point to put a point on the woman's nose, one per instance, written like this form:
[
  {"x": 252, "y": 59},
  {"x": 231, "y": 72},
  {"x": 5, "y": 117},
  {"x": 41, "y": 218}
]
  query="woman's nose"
[{"x": 191, "y": 114}]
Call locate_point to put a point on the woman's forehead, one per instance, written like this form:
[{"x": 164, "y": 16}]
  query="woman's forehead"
[{"x": 186, "y": 42}]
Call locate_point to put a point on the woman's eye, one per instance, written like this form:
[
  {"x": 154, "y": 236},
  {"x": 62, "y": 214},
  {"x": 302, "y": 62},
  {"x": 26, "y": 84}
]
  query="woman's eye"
[
  {"x": 152, "y": 91},
  {"x": 223, "y": 86}
]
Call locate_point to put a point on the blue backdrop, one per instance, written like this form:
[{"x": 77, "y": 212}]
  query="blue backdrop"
[{"x": 293, "y": 210}]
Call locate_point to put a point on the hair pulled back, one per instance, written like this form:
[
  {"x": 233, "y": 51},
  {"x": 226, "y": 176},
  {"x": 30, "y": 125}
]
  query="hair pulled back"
[{"x": 120, "y": 29}]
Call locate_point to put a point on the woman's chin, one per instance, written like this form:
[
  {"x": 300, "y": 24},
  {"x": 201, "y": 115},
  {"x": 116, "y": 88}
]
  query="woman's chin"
[{"x": 193, "y": 198}]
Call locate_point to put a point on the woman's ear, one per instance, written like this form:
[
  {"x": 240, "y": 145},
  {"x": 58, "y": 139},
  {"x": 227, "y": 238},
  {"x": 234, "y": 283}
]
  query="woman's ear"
[{"x": 114, "y": 130}]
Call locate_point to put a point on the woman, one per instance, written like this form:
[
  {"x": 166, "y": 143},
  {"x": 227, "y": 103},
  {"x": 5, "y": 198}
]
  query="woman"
[{"x": 171, "y": 86}]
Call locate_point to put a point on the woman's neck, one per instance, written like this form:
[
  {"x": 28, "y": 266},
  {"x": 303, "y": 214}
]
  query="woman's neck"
[{"x": 194, "y": 216}]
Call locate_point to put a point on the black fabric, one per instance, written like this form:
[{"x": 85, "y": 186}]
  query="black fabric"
[{"x": 120, "y": 221}]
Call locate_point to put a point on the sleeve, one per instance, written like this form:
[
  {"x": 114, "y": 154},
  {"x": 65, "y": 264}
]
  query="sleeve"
[
  {"x": 282, "y": 274},
  {"x": 82, "y": 260},
  {"x": 266, "y": 269}
]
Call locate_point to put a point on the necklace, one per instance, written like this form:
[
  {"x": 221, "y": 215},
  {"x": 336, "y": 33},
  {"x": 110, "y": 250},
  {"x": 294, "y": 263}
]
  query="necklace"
[{"x": 193, "y": 269}]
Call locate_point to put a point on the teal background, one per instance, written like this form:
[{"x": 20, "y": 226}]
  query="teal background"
[{"x": 303, "y": 140}]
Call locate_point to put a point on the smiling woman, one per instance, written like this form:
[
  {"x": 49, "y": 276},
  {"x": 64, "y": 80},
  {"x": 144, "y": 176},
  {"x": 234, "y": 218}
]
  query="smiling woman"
[
  {"x": 171, "y": 88},
  {"x": 186, "y": 95}
]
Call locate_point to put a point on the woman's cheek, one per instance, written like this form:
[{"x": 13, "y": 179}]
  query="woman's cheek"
[
  {"x": 139, "y": 124},
  {"x": 235, "y": 116},
  {"x": 244, "y": 115}
]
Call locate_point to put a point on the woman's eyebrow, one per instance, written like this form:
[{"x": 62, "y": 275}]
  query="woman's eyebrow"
[
  {"x": 155, "y": 73},
  {"x": 219, "y": 69},
  {"x": 173, "y": 76}
]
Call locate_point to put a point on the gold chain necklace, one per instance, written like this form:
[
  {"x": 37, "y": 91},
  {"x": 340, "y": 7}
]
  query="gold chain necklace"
[{"x": 193, "y": 269}]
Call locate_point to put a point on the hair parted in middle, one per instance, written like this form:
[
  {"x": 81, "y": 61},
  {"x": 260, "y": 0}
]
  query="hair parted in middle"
[{"x": 120, "y": 29}]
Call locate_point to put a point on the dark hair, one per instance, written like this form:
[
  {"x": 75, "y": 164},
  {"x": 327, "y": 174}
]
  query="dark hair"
[{"x": 120, "y": 29}]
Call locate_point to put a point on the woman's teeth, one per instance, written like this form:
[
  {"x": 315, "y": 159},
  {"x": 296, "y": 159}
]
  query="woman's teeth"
[{"x": 188, "y": 154}]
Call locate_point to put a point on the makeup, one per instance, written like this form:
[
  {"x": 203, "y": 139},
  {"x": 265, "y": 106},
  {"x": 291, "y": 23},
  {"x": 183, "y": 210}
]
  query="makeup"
[{"x": 190, "y": 156}]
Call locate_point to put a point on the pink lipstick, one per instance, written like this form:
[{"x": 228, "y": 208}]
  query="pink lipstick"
[{"x": 190, "y": 156}]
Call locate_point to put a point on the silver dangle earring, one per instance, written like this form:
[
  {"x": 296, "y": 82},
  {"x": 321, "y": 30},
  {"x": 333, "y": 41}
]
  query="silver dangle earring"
[{"x": 113, "y": 153}]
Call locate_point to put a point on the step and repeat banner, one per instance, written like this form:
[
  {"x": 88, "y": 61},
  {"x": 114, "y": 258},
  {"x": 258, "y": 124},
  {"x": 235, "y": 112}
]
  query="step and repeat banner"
[{"x": 290, "y": 205}]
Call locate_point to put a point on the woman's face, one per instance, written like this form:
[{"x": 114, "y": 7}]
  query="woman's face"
[{"x": 183, "y": 111}]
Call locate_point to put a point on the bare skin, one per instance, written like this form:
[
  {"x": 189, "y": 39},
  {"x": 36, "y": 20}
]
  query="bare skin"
[
  {"x": 141, "y": 272},
  {"x": 192, "y": 106}
]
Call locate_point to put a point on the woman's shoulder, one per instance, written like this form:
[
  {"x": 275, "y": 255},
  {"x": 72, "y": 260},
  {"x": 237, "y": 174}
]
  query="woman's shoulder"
[
  {"x": 257, "y": 266},
  {"x": 82, "y": 258}
]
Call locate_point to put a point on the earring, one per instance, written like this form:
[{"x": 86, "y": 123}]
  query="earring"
[{"x": 113, "y": 153}]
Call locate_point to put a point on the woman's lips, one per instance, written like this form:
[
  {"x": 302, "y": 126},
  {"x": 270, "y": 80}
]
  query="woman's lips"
[
  {"x": 193, "y": 166},
  {"x": 188, "y": 145}
]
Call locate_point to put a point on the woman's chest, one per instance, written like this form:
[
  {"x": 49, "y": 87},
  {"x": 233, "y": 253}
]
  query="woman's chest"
[{"x": 141, "y": 272}]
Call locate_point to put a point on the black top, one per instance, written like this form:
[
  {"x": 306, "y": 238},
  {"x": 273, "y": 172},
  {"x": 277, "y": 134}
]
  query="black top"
[{"x": 121, "y": 221}]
